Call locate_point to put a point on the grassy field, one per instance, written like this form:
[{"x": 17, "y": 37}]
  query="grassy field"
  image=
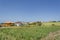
[
  {"x": 50, "y": 23},
  {"x": 27, "y": 33}
]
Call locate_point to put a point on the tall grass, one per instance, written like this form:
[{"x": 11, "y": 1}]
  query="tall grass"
[{"x": 26, "y": 33}]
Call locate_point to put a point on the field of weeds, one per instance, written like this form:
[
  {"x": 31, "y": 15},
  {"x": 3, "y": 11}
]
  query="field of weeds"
[{"x": 26, "y": 33}]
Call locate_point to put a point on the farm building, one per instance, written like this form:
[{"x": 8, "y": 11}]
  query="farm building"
[
  {"x": 18, "y": 23},
  {"x": 7, "y": 24}
]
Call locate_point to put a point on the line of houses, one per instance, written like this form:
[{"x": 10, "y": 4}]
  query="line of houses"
[
  {"x": 7, "y": 24},
  {"x": 10, "y": 24}
]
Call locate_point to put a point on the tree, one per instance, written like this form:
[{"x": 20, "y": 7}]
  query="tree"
[
  {"x": 53, "y": 21},
  {"x": 58, "y": 21},
  {"x": 38, "y": 23}
]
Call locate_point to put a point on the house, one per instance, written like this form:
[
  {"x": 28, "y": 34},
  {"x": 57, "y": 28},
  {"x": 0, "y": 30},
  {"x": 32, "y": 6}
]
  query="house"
[
  {"x": 7, "y": 24},
  {"x": 18, "y": 23}
]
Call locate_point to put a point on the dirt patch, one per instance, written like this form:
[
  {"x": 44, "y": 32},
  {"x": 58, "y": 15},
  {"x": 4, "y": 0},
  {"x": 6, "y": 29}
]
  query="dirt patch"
[{"x": 51, "y": 35}]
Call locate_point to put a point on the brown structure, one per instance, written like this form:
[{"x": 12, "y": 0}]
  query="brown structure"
[{"x": 7, "y": 24}]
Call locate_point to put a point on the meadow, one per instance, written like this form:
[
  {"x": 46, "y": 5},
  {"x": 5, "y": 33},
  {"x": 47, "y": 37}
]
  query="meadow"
[{"x": 28, "y": 33}]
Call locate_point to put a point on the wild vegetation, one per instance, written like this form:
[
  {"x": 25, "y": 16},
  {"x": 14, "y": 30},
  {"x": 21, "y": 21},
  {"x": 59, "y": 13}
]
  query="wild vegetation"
[{"x": 35, "y": 32}]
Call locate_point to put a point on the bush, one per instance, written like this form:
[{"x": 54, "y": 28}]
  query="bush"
[
  {"x": 53, "y": 21},
  {"x": 0, "y": 26},
  {"x": 39, "y": 23},
  {"x": 36, "y": 23},
  {"x": 53, "y": 24}
]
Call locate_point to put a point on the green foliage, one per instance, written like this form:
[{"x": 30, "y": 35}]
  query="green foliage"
[
  {"x": 36, "y": 23},
  {"x": 58, "y": 21},
  {"x": 53, "y": 21},
  {"x": 26, "y": 33},
  {"x": 39, "y": 23},
  {"x": 53, "y": 24}
]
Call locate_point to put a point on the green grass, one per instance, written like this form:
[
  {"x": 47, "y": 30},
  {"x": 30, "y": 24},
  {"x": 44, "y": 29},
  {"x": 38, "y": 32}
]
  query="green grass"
[
  {"x": 26, "y": 33},
  {"x": 57, "y": 37},
  {"x": 50, "y": 23}
]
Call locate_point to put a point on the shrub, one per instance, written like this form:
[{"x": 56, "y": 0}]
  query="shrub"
[
  {"x": 39, "y": 23},
  {"x": 53, "y": 24}
]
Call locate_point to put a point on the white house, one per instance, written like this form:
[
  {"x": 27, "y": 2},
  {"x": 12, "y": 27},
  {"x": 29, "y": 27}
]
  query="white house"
[{"x": 18, "y": 23}]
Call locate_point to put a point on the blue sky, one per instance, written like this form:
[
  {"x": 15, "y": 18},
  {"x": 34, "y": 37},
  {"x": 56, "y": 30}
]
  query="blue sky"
[{"x": 29, "y": 10}]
